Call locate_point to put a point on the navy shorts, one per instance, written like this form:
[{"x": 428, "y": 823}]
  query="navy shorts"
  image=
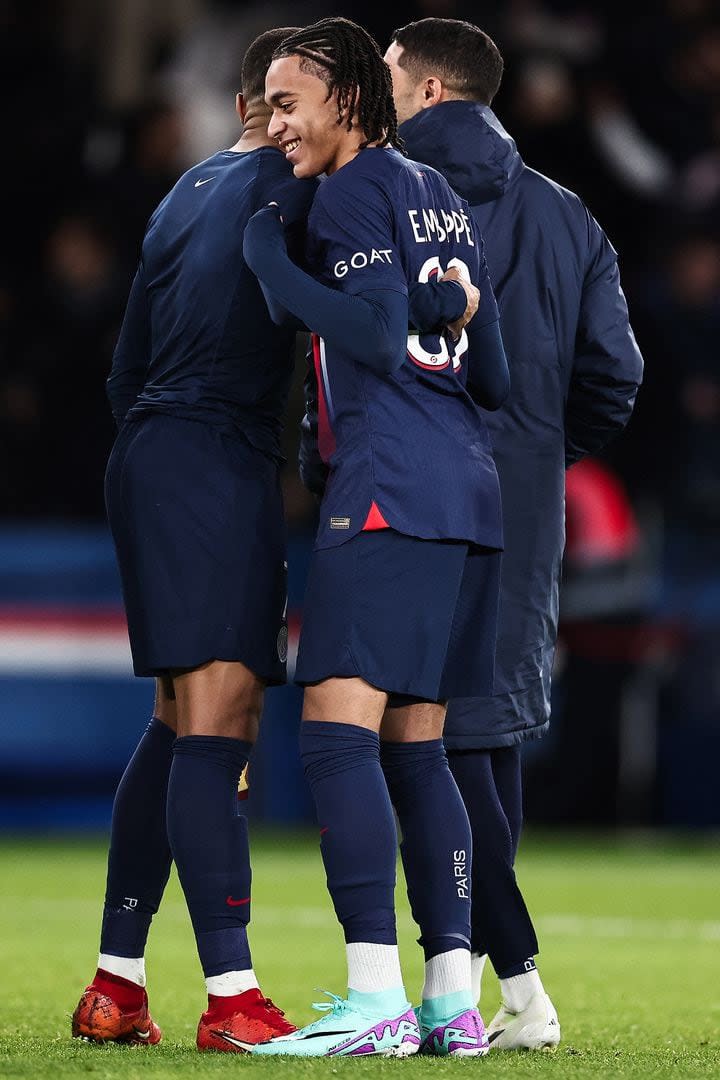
[
  {"x": 196, "y": 515},
  {"x": 416, "y": 618}
]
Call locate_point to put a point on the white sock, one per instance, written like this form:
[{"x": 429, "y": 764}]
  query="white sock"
[
  {"x": 373, "y": 967},
  {"x": 127, "y": 967},
  {"x": 447, "y": 973},
  {"x": 231, "y": 982},
  {"x": 518, "y": 989},
  {"x": 477, "y": 966}
]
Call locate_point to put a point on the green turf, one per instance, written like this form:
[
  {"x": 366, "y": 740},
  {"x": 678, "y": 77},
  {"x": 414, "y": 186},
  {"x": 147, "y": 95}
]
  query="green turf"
[{"x": 629, "y": 930}]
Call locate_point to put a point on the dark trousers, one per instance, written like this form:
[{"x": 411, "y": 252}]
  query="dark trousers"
[{"x": 490, "y": 782}]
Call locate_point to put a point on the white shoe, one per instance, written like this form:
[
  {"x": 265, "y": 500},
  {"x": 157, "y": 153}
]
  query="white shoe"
[{"x": 535, "y": 1028}]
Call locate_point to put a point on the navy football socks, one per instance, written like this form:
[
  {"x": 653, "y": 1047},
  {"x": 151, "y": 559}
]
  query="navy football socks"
[
  {"x": 357, "y": 826},
  {"x": 139, "y": 857},
  {"x": 436, "y": 843},
  {"x": 209, "y": 840}
]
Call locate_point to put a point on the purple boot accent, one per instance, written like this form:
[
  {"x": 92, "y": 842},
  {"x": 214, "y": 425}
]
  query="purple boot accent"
[
  {"x": 397, "y": 1037},
  {"x": 463, "y": 1036}
]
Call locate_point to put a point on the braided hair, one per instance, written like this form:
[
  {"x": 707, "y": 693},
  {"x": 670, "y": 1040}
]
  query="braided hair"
[{"x": 348, "y": 60}]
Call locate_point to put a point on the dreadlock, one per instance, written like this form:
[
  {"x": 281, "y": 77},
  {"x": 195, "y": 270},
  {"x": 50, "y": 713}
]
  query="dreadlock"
[{"x": 349, "y": 61}]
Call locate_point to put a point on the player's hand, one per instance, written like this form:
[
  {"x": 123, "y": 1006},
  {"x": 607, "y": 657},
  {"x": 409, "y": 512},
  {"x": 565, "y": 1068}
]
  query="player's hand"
[
  {"x": 472, "y": 296},
  {"x": 264, "y": 239}
]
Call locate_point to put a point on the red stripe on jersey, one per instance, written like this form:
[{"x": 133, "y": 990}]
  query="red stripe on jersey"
[
  {"x": 374, "y": 520},
  {"x": 326, "y": 436}
]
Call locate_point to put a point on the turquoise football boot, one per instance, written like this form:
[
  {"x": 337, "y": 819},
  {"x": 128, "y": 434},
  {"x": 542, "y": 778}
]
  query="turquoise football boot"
[{"x": 350, "y": 1029}]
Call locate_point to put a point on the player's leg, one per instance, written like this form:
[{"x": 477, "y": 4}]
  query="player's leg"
[
  {"x": 506, "y": 763},
  {"x": 436, "y": 854},
  {"x": 218, "y": 712},
  {"x": 342, "y": 663},
  {"x": 114, "y": 1006},
  {"x": 204, "y": 577},
  {"x": 500, "y": 922},
  {"x": 467, "y": 668},
  {"x": 502, "y": 926},
  {"x": 339, "y": 746}
]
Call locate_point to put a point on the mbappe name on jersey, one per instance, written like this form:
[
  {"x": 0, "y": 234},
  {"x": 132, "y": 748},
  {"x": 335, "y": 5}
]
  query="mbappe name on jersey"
[{"x": 455, "y": 225}]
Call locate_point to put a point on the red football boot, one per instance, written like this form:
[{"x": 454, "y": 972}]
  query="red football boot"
[
  {"x": 113, "y": 1009},
  {"x": 236, "y": 1024}
]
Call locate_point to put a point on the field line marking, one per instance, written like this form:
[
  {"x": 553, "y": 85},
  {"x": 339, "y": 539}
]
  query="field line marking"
[{"x": 555, "y": 925}]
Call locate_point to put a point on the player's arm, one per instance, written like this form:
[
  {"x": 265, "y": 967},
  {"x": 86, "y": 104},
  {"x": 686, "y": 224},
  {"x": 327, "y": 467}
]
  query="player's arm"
[
  {"x": 608, "y": 365},
  {"x": 295, "y": 197},
  {"x": 433, "y": 309},
  {"x": 367, "y": 326},
  {"x": 279, "y": 314},
  {"x": 435, "y": 305},
  {"x": 488, "y": 375},
  {"x": 131, "y": 357}
]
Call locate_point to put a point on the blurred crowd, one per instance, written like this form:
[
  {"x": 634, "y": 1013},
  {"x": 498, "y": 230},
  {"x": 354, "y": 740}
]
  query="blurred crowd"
[{"x": 106, "y": 104}]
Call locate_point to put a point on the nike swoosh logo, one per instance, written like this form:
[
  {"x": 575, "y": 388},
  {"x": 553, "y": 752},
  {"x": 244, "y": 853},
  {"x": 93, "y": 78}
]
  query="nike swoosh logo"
[
  {"x": 495, "y": 1035},
  {"x": 142, "y": 1034},
  {"x": 236, "y": 903},
  {"x": 199, "y": 183},
  {"x": 321, "y": 1035},
  {"x": 235, "y": 1042}
]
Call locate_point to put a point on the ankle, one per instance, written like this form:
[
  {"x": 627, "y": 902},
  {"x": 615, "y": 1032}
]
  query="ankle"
[
  {"x": 438, "y": 1010},
  {"x": 222, "y": 1006},
  {"x": 127, "y": 994},
  {"x": 519, "y": 989},
  {"x": 384, "y": 1003}
]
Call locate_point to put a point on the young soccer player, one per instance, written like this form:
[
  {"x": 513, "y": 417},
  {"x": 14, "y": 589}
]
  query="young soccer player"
[
  {"x": 198, "y": 386},
  {"x": 407, "y": 550}
]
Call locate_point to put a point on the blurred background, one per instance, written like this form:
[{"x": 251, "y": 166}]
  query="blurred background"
[{"x": 105, "y": 105}]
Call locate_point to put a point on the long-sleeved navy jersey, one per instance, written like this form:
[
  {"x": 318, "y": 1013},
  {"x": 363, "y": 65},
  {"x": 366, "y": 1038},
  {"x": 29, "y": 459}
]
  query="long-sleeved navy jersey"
[
  {"x": 404, "y": 440},
  {"x": 197, "y": 340}
]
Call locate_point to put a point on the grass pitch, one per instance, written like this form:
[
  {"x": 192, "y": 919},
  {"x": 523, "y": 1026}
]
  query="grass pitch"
[{"x": 629, "y": 930}]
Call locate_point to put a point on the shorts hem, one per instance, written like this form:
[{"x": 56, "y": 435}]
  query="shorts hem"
[
  {"x": 420, "y": 693},
  {"x": 276, "y": 677},
  {"x": 495, "y": 741}
]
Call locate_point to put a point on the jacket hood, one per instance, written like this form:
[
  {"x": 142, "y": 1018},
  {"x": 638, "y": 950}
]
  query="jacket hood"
[{"x": 466, "y": 142}]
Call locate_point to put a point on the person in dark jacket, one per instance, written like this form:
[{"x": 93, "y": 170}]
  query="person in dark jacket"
[{"x": 575, "y": 370}]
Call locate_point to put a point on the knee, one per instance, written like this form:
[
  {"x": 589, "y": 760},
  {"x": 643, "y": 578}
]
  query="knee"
[
  {"x": 233, "y": 713},
  {"x": 408, "y": 765},
  {"x": 239, "y": 717}
]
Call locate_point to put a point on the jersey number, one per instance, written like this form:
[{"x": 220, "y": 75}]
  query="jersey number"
[{"x": 431, "y": 270}]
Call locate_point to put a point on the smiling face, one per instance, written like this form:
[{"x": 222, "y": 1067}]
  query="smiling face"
[
  {"x": 304, "y": 120},
  {"x": 409, "y": 94}
]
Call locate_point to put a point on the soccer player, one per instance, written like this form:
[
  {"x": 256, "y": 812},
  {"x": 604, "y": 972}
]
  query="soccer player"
[
  {"x": 407, "y": 551},
  {"x": 575, "y": 369},
  {"x": 198, "y": 386}
]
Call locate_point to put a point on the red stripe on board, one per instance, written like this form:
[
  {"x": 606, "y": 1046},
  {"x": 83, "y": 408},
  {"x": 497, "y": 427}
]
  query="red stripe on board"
[{"x": 62, "y": 618}]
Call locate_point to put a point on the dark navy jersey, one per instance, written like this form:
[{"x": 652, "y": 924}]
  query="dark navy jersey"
[
  {"x": 197, "y": 340},
  {"x": 408, "y": 448}
]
